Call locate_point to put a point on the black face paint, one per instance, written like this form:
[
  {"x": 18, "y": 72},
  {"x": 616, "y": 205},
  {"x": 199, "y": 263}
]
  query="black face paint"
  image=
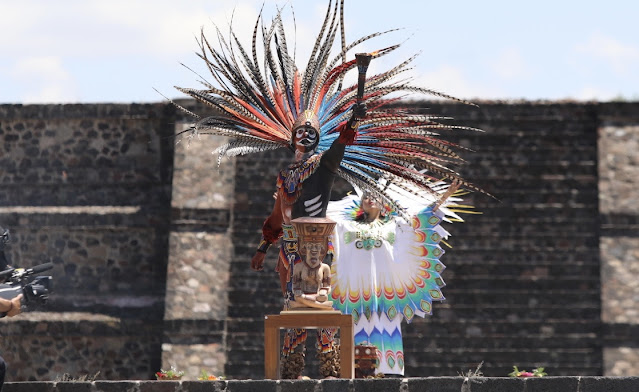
[{"x": 306, "y": 139}]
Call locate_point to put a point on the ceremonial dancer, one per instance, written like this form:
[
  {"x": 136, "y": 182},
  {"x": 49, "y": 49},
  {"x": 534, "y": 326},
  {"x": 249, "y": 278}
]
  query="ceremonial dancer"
[
  {"x": 388, "y": 269},
  {"x": 357, "y": 132},
  {"x": 303, "y": 190}
]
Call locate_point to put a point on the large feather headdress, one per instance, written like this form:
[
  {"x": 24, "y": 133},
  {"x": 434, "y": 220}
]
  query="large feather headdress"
[{"x": 259, "y": 98}]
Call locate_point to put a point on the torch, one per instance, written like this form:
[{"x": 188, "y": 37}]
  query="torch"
[{"x": 362, "y": 60}]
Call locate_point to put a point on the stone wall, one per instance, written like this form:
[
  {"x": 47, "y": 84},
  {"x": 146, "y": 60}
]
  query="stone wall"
[
  {"x": 619, "y": 251},
  {"x": 199, "y": 254},
  {"x": 523, "y": 277},
  {"x": 88, "y": 188},
  {"x": 431, "y": 384},
  {"x": 46, "y": 346},
  {"x": 151, "y": 244}
]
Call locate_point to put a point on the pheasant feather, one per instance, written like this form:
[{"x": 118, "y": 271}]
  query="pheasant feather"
[{"x": 398, "y": 151}]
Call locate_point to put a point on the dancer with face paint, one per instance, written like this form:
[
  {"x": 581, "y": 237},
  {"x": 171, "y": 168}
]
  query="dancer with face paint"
[{"x": 303, "y": 190}]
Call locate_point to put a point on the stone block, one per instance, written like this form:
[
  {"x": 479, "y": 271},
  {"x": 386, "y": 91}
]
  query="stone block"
[
  {"x": 552, "y": 384},
  {"x": 497, "y": 384},
  {"x": 160, "y": 386},
  {"x": 298, "y": 385},
  {"x": 116, "y": 386},
  {"x": 337, "y": 385},
  {"x": 376, "y": 385},
  {"x": 32, "y": 386},
  {"x": 251, "y": 386},
  {"x": 432, "y": 384},
  {"x": 609, "y": 384},
  {"x": 203, "y": 386},
  {"x": 73, "y": 386}
]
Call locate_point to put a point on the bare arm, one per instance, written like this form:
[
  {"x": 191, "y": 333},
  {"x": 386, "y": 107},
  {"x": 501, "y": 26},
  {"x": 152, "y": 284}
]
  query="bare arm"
[
  {"x": 271, "y": 231},
  {"x": 452, "y": 188},
  {"x": 11, "y": 307}
]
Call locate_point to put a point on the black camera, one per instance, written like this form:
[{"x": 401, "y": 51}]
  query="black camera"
[{"x": 35, "y": 289}]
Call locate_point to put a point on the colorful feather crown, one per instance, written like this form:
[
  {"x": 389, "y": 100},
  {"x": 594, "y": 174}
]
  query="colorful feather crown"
[{"x": 396, "y": 152}]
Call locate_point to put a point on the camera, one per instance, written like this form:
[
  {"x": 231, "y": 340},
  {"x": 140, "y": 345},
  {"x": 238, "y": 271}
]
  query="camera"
[
  {"x": 35, "y": 289},
  {"x": 15, "y": 281}
]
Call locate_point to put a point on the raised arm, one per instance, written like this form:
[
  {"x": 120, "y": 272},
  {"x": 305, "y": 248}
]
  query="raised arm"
[
  {"x": 347, "y": 134},
  {"x": 452, "y": 188}
]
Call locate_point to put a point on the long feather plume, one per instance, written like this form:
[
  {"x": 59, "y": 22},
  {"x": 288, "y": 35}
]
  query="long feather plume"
[{"x": 257, "y": 99}]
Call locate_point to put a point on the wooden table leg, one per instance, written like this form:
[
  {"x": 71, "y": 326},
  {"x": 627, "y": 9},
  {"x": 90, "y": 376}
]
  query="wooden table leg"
[
  {"x": 271, "y": 347},
  {"x": 346, "y": 349}
]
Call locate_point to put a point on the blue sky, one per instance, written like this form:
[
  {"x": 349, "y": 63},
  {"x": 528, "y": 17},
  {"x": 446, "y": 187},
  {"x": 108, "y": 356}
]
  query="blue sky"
[{"x": 89, "y": 51}]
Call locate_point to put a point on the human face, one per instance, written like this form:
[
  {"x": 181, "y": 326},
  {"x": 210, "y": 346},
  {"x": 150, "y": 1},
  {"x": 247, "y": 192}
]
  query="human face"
[
  {"x": 305, "y": 139},
  {"x": 371, "y": 206}
]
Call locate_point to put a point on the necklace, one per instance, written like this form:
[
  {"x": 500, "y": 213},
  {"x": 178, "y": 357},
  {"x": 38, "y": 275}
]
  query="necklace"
[{"x": 368, "y": 236}]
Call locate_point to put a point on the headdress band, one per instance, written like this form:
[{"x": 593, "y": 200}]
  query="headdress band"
[{"x": 307, "y": 119}]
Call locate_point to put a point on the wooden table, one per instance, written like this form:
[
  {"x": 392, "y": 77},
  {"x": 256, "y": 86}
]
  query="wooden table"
[{"x": 309, "y": 319}]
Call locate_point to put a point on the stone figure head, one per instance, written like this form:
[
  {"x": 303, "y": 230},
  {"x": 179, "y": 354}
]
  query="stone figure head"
[{"x": 312, "y": 238}]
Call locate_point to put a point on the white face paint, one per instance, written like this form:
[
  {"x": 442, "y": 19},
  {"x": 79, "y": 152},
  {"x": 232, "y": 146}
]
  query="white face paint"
[{"x": 305, "y": 139}]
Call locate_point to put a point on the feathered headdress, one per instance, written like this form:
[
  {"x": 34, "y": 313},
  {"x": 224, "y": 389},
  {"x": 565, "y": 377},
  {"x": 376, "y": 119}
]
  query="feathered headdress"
[{"x": 260, "y": 99}]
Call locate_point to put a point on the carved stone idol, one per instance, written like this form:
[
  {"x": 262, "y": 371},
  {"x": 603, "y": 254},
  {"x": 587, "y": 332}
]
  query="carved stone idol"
[{"x": 312, "y": 277}]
